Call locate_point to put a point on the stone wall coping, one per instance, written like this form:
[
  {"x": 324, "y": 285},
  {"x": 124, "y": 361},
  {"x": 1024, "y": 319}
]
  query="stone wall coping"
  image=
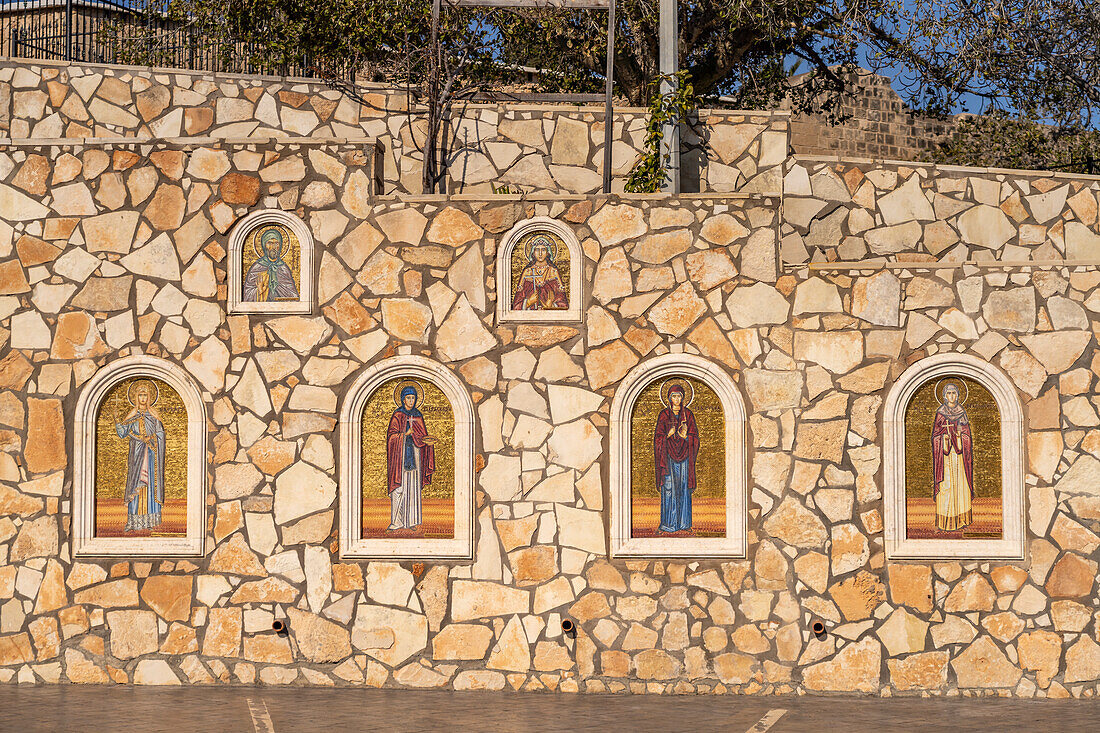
[
  {"x": 936, "y": 265},
  {"x": 437, "y": 198},
  {"x": 966, "y": 170},
  {"x": 18, "y": 61},
  {"x": 39, "y": 142}
]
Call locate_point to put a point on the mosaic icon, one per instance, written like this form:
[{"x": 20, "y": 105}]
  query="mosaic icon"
[
  {"x": 141, "y": 461},
  {"x": 953, "y": 461},
  {"x": 408, "y": 461},
  {"x": 678, "y": 472}
]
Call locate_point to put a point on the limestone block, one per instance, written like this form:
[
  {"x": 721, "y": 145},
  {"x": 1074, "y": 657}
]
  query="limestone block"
[
  {"x": 816, "y": 295},
  {"x": 877, "y": 299},
  {"x": 1082, "y": 661},
  {"x": 154, "y": 672},
  {"x": 472, "y": 599},
  {"x": 320, "y": 640},
  {"x": 795, "y": 525},
  {"x": 678, "y": 311},
  {"x": 903, "y": 633},
  {"x": 855, "y": 668},
  {"x": 615, "y": 223},
  {"x": 837, "y": 351},
  {"x": 462, "y": 335},
  {"x": 613, "y": 279},
  {"x": 907, "y": 202},
  {"x": 757, "y": 304},
  {"x": 581, "y": 529},
  {"x": 302, "y": 490},
  {"x": 133, "y": 633},
  {"x": 926, "y": 671}
]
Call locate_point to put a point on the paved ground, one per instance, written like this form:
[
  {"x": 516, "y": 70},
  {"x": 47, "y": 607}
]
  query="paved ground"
[{"x": 245, "y": 710}]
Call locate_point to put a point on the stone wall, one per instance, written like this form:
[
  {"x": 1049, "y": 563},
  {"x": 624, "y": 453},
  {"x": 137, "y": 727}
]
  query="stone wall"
[
  {"x": 843, "y": 210},
  {"x": 115, "y": 249},
  {"x": 494, "y": 147}
]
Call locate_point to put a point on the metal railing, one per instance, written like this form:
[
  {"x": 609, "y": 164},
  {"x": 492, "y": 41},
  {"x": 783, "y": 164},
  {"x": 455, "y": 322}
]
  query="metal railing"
[{"x": 119, "y": 32}]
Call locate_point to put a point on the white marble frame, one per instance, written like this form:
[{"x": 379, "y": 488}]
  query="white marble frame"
[
  {"x": 85, "y": 543},
  {"x": 505, "y": 313},
  {"x": 352, "y": 544},
  {"x": 1011, "y": 546},
  {"x": 306, "y": 278},
  {"x": 734, "y": 544}
]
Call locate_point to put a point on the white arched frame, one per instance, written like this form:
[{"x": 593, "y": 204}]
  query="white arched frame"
[
  {"x": 504, "y": 272},
  {"x": 734, "y": 544},
  {"x": 241, "y": 230},
  {"x": 1011, "y": 544},
  {"x": 85, "y": 542},
  {"x": 352, "y": 543}
]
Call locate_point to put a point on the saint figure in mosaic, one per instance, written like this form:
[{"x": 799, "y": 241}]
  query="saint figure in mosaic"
[
  {"x": 410, "y": 457},
  {"x": 675, "y": 450},
  {"x": 269, "y": 278},
  {"x": 143, "y": 428},
  {"x": 952, "y": 461},
  {"x": 540, "y": 284}
]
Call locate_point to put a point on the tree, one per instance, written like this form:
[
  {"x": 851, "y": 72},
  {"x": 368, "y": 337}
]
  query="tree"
[
  {"x": 999, "y": 140},
  {"x": 342, "y": 40},
  {"x": 1039, "y": 59},
  {"x": 1035, "y": 58}
]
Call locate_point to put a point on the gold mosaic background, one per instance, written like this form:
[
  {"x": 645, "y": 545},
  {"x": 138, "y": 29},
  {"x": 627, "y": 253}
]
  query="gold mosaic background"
[
  {"x": 985, "y": 431},
  {"x": 292, "y": 256},
  {"x": 438, "y": 497},
  {"x": 520, "y": 261},
  {"x": 112, "y": 452}
]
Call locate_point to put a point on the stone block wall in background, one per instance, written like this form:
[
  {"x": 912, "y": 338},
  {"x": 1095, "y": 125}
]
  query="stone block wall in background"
[
  {"x": 109, "y": 249},
  {"x": 877, "y": 124}
]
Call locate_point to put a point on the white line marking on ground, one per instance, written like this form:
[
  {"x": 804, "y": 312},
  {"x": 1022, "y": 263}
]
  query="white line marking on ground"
[
  {"x": 770, "y": 718},
  {"x": 261, "y": 721}
]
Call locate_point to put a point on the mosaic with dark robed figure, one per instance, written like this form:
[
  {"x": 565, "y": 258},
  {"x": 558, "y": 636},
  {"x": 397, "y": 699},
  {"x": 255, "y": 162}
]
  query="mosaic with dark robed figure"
[
  {"x": 678, "y": 471},
  {"x": 408, "y": 461}
]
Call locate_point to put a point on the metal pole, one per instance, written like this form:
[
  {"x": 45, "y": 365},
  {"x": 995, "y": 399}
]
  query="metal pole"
[
  {"x": 68, "y": 30},
  {"x": 608, "y": 115},
  {"x": 668, "y": 63}
]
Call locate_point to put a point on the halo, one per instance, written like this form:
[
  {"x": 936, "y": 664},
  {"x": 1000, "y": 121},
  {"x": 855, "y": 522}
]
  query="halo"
[
  {"x": 938, "y": 392},
  {"x": 552, "y": 248},
  {"x": 397, "y": 390},
  {"x": 683, "y": 383},
  {"x": 259, "y": 237},
  {"x": 136, "y": 382}
]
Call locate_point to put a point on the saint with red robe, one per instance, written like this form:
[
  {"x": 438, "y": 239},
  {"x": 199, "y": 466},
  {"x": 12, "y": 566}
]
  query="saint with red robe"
[
  {"x": 952, "y": 463},
  {"x": 410, "y": 460},
  {"x": 675, "y": 450},
  {"x": 540, "y": 286}
]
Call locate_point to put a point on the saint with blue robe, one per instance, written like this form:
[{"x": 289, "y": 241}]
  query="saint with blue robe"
[
  {"x": 144, "y": 494},
  {"x": 410, "y": 461},
  {"x": 269, "y": 278},
  {"x": 675, "y": 450}
]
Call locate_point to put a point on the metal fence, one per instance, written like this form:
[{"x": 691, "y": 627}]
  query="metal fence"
[{"x": 119, "y": 32}]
